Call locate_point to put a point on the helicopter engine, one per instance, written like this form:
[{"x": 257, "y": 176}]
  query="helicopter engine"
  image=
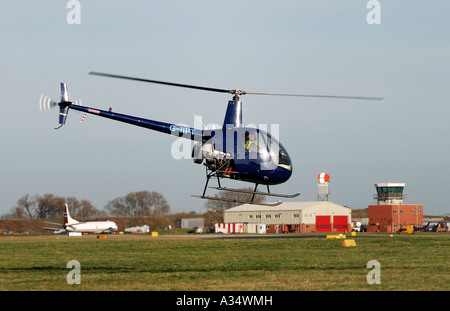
[
  {"x": 197, "y": 153},
  {"x": 214, "y": 159}
]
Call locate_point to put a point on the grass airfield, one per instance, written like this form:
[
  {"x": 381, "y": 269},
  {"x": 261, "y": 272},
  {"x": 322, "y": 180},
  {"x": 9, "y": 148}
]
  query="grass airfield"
[{"x": 296, "y": 262}]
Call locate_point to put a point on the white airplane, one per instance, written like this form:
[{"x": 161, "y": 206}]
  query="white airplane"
[{"x": 72, "y": 225}]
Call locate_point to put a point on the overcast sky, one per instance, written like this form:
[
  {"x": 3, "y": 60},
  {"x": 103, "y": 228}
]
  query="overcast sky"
[{"x": 306, "y": 47}]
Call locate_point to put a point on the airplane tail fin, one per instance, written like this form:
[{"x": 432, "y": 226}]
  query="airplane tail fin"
[{"x": 67, "y": 219}]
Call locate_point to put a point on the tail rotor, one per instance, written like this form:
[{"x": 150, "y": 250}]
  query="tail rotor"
[{"x": 46, "y": 103}]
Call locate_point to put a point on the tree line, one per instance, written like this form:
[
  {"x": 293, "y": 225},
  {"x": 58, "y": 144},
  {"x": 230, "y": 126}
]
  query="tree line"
[
  {"x": 134, "y": 204},
  {"x": 50, "y": 206}
]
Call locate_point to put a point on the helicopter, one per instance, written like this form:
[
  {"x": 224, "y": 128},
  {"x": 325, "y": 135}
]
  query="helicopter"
[{"x": 235, "y": 151}]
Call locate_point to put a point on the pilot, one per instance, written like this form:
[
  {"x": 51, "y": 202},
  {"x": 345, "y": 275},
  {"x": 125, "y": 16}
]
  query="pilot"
[{"x": 250, "y": 143}]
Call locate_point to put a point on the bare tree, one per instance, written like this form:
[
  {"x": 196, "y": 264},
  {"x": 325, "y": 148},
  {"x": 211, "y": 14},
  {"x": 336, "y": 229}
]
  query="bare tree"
[
  {"x": 88, "y": 210},
  {"x": 27, "y": 205},
  {"x": 229, "y": 197},
  {"x": 15, "y": 213},
  {"x": 49, "y": 206},
  {"x": 160, "y": 205},
  {"x": 141, "y": 203},
  {"x": 82, "y": 209},
  {"x": 118, "y": 207}
]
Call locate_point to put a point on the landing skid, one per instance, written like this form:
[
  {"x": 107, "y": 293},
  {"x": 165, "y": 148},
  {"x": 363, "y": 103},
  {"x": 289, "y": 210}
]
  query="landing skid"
[
  {"x": 253, "y": 193},
  {"x": 257, "y": 192},
  {"x": 238, "y": 201}
]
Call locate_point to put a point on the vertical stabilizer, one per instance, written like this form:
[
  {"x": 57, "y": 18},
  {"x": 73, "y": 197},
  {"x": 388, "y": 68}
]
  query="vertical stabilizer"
[
  {"x": 63, "y": 105},
  {"x": 67, "y": 219},
  {"x": 64, "y": 93}
]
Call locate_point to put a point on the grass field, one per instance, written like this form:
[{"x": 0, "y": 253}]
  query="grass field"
[{"x": 417, "y": 262}]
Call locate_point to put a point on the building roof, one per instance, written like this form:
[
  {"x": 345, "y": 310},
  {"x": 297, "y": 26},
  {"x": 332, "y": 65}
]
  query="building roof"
[
  {"x": 390, "y": 184},
  {"x": 285, "y": 206}
]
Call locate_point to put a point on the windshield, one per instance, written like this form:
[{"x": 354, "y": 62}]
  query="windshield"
[
  {"x": 265, "y": 145},
  {"x": 277, "y": 148}
]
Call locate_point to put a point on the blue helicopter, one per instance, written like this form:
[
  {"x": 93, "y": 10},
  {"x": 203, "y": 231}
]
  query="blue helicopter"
[{"x": 233, "y": 151}]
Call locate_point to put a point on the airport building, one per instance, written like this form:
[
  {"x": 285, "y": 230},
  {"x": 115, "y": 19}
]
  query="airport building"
[
  {"x": 316, "y": 216},
  {"x": 390, "y": 214},
  {"x": 189, "y": 223}
]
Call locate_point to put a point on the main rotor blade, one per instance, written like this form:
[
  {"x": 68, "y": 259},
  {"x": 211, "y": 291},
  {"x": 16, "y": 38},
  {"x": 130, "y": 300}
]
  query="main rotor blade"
[
  {"x": 234, "y": 92},
  {"x": 320, "y": 96},
  {"x": 162, "y": 82}
]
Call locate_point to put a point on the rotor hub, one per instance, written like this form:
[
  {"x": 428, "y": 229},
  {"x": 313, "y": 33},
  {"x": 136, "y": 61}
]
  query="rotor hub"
[{"x": 237, "y": 93}]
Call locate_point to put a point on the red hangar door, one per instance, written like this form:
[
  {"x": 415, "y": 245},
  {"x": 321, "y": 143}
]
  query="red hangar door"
[
  {"x": 323, "y": 223},
  {"x": 340, "y": 223}
]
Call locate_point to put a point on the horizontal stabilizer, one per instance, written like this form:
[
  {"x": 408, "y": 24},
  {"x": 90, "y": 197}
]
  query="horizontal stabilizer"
[
  {"x": 52, "y": 223},
  {"x": 51, "y": 229}
]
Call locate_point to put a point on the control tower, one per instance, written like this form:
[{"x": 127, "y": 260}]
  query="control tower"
[
  {"x": 389, "y": 193},
  {"x": 390, "y": 213}
]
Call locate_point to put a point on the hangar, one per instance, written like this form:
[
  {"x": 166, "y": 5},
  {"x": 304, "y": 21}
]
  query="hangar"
[{"x": 315, "y": 216}]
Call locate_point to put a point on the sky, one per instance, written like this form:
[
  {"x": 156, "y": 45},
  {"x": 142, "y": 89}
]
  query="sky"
[{"x": 303, "y": 47}]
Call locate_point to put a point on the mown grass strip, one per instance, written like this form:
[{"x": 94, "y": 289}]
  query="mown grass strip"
[{"x": 138, "y": 263}]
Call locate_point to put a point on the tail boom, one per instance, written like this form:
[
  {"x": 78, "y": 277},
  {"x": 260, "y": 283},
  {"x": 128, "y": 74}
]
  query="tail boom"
[
  {"x": 167, "y": 128},
  {"x": 66, "y": 104}
]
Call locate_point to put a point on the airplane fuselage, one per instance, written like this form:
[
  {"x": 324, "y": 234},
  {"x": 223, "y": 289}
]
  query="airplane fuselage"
[{"x": 92, "y": 227}]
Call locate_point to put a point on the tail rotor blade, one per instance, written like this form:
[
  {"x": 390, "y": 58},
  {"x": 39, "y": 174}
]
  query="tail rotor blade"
[{"x": 46, "y": 103}]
